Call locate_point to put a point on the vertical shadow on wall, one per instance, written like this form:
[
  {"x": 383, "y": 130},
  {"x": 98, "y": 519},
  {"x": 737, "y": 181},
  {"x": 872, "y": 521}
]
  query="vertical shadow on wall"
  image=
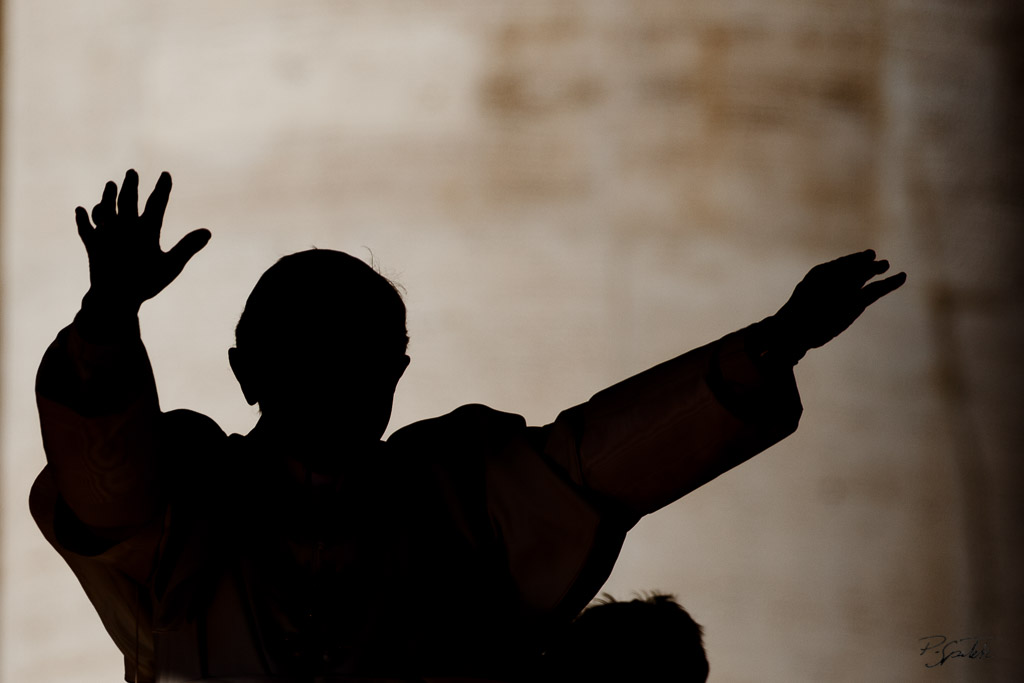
[
  {"x": 971, "y": 471},
  {"x": 3, "y": 132},
  {"x": 1010, "y": 46},
  {"x": 990, "y": 558}
]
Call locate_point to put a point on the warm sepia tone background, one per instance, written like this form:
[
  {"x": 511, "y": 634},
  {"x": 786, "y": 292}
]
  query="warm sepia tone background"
[{"x": 571, "y": 192}]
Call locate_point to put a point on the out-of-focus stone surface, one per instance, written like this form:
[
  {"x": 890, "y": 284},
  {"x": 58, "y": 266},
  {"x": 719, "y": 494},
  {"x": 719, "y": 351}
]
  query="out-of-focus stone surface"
[{"x": 571, "y": 192}]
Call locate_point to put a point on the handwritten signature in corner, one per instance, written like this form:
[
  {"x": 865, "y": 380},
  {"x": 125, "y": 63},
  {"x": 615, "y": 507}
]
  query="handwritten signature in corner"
[{"x": 940, "y": 649}]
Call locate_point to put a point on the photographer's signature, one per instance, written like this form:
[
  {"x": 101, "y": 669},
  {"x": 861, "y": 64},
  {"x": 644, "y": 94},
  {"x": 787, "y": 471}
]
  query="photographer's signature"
[{"x": 938, "y": 649}]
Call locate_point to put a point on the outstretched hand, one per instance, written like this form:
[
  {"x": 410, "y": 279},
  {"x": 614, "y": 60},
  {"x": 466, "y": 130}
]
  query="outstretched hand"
[
  {"x": 126, "y": 264},
  {"x": 829, "y": 299}
]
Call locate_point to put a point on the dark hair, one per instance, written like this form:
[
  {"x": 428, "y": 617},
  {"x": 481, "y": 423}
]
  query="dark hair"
[
  {"x": 320, "y": 295},
  {"x": 651, "y": 639}
]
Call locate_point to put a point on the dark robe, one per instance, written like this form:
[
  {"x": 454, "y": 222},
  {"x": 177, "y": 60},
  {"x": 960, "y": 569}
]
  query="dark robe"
[{"x": 448, "y": 553}]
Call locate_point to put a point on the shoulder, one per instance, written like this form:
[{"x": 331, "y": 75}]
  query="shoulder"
[
  {"x": 468, "y": 424},
  {"x": 188, "y": 439},
  {"x": 190, "y": 427},
  {"x": 469, "y": 434}
]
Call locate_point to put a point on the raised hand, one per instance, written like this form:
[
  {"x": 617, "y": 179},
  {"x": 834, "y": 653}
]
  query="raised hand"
[
  {"x": 828, "y": 300},
  {"x": 126, "y": 264}
]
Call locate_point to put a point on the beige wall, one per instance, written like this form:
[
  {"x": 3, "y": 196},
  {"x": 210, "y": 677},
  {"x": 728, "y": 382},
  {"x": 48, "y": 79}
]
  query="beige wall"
[{"x": 571, "y": 192}]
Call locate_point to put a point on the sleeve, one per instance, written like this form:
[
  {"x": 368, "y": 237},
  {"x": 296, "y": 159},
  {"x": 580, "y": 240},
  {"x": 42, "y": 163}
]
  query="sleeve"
[
  {"x": 628, "y": 451},
  {"x": 112, "y": 575},
  {"x": 113, "y": 459},
  {"x": 651, "y": 439},
  {"x": 99, "y": 415},
  {"x": 95, "y": 501}
]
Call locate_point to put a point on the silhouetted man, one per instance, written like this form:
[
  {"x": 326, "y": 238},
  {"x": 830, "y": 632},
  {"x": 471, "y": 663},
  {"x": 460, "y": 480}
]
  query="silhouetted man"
[{"x": 309, "y": 549}]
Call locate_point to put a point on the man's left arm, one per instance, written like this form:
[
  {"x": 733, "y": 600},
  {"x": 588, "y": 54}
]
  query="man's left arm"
[
  {"x": 645, "y": 442},
  {"x": 651, "y": 439}
]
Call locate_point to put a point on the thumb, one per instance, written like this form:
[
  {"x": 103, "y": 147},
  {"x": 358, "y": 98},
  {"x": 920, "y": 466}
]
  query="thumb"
[{"x": 187, "y": 247}]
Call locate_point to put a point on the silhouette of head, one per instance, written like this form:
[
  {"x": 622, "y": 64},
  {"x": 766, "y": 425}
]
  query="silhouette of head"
[
  {"x": 652, "y": 640},
  {"x": 321, "y": 344}
]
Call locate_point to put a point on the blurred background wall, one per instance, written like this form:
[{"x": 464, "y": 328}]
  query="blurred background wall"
[{"x": 571, "y": 192}]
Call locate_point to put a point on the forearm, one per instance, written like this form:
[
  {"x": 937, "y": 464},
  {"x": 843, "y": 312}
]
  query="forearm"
[
  {"x": 97, "y": 401},
  {"x": 654, "y": 437},
  {"x": 98, "y": 411}
]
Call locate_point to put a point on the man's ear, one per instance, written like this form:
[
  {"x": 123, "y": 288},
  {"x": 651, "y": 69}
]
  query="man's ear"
[{"x": 243, "y": 374}]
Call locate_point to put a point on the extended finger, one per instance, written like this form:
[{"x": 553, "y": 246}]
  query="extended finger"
[
  {"x": 868, "y": 270},
  {"x": 187, "y": 247},
  {"x": 104, "y": 211},
  {"x": 843, "y": 267},
  {"x": 157, "y": 202},
  {"x": 128, "y": 200},
  {"x": 876, "y": 290},
  {"x": 84, "y": 226},
  {"x": 855, "y": 260},
  {"x": 858, "y": 268}
]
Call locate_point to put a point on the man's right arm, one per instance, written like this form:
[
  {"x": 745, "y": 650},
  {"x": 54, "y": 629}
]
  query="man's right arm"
[
  {"x": 98, "y": 407},
  {"x": 99, "y": 415}
]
